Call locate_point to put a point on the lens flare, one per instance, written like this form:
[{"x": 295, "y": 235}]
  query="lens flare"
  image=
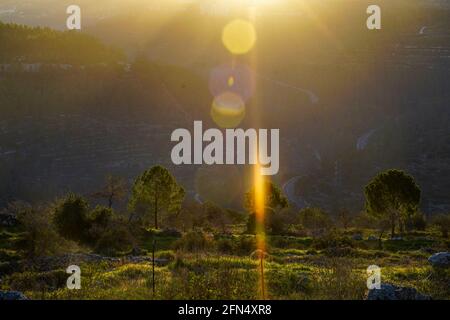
[
  {"x": 232, "y": 77},
  {"x": 259, "y": 187},
  {"x": 239, "y": 36},
  {"x": 228, "y": 110},
  {"x": 230, "y": 81}
]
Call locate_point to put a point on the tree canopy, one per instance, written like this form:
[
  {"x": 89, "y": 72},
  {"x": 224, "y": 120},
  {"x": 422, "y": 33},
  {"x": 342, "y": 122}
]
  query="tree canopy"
[
  {"x": 155, "y": 192},
  {"x": 274, "y": 198},
  {"x": 393, "y": 194}
]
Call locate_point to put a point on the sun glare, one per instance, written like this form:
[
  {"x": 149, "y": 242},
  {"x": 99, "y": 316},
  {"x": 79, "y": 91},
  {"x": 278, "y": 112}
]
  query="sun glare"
[{"x": 239, "y": 36}]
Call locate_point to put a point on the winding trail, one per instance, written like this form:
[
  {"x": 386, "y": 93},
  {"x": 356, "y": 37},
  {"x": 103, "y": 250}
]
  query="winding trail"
[
  {"x": 198, "y": 198},
  {"x": 313, "y": 98},
  {"x": 289, "y": 190},
  {"x": 363, "y": 140},
  {"x": 422, "y": 30}
]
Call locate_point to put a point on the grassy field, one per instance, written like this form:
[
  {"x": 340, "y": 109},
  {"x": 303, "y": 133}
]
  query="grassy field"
[{"x": 207, "y": 266}]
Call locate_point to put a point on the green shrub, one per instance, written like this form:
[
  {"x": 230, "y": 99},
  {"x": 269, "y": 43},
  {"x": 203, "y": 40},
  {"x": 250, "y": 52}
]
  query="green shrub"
[
  {"x": 365, "y": 220},
  {"x": 273, "y": 223},
  {"x": 416, "y": 222},
  {"x": 115, "y": 238},
  {"x": 332, "y": 239},
  {"x": 99, "y": 222},
  {"x": 71, "y": 218},
  {"x": 245, "y": 245},
  {"x": 315, "y": 219},
  {"x": 225, "y": 245},
  {"x": 98, "y": 228},
  {"x": 193, "y": 241},
  {"x": 242, "y": 245},
  {"x": 442, "y": 222},
  {"x": 38, "y": 281},
  {"x": 40, "y": 237}
]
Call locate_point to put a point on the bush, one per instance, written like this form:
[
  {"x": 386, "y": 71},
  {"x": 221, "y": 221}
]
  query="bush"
[
  {"x": 365, "y": 220},
  {"x": 416, "y": 222},
  {"x": 41, "y": 238},
  {"x": 296, "y": 230},
  {"x": 71, "y": 218},
  {"x": 98, "y": 222},
  {"x": 332, "y": 239},
  {"x": 193, "y": 241},
  {"x": 43, "y": 281},
  {"x": 245, "y": 245},
  {"x": 225, "y": 245},
  {"x": 315, "y": 219},
  {"x": 442, "y": 222},
  {"x": 274, "y": 223},
  {"x": 98, "y": 228},
  {"x": 114, "y": 239}
]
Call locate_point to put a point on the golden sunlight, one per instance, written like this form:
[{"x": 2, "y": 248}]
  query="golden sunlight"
[
  {"x": 259, "y": 206},
  {"x": 239, "y": 36},
  {"x": 228, "y": 110}
]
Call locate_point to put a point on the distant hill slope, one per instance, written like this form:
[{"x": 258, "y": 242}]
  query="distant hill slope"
[
  {"x": 20, "y": 43},
  {"x": 69, "y": 129}
]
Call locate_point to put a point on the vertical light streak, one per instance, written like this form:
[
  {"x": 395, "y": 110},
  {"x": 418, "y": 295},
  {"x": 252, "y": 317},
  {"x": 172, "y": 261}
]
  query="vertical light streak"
[
  {"x": 258, "y": 179},
  {"x": 258, "y": 182},
  {"x": 259, "y": 189}
]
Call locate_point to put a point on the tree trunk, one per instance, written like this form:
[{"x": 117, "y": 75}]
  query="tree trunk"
[
  {"x": 401, "y": 225},
  {"x": 380, "y": 243},
  {"x": 110, "y": 201},
  {"x": 156, "y": 212},
  {"x": 153, "y": 265},
  {"x": 392, "y": 227}
]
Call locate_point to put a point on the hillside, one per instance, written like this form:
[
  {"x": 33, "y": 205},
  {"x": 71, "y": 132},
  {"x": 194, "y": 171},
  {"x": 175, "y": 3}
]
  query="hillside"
[{"x": 351, "y": 106}]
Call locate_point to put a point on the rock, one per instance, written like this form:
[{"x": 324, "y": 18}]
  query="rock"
[
  {"x": 372, "y": 238},
  {"x": 357, "y": 237},
  {"x": 392, "y": 292},
  {"x": 12, "y": 295},
  {"x": 440, "y": 260},
  {"x": 8, "y": 220}
]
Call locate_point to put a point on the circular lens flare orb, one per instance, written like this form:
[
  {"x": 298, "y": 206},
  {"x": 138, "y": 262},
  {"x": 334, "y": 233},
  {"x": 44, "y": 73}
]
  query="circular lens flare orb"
[
  {"x": 228, "y": 110},
  {"x": 239, "y": 36},
  {"x": 230, "y": 81}
]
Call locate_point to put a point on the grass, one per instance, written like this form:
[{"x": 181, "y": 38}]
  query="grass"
[{"x": 293, "y": 270}]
